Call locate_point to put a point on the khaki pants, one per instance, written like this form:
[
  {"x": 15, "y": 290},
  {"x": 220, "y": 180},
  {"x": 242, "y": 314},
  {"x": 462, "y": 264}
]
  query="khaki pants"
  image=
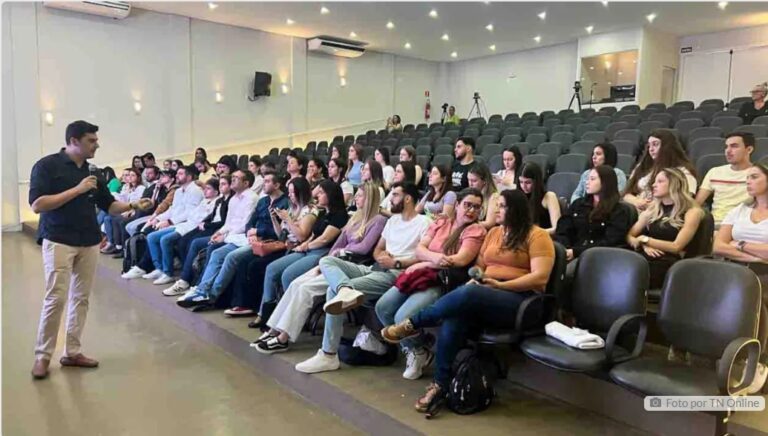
[{"x": 69, "y": 275}]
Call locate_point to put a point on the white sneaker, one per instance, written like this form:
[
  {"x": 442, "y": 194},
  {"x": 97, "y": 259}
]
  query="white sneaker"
[
  {"x": 347, "y": 299},
  {"x": 163, "y": 280},
  {"x": 320, "y": 362},
  {"x": 759, "y": 381},
  {"x": 365, "y": 340},
  {"x": 154, "y": 275},
  {"x": 415, "y": 362},
  {"x": 134, "y": 273},
  {"x": 178, "y": 288},
  {"x": 190, "y": 292}
]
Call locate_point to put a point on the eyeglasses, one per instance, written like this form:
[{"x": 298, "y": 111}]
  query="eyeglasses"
[{"x": 472, "y": 206}]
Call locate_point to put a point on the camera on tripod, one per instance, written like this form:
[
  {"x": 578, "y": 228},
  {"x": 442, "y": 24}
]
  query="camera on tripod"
[
  {"x": 577, "y": 86},
  {"x": 445, "y": 107},
  {"x": 476, "y": 96}
]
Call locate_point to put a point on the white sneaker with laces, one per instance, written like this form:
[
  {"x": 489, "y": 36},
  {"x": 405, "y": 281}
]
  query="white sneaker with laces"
[
  {"x": 320, "y": 362},
  {"x": 163, "y": 280},
  {"x": 134, "y": 273},
  {"x": 759, "y": 381},
  {"x": 415, "y": 362},
  {"x": 347, "y": 299},
  {"x": 178, "y": 288},
  {"x": 190, "y": 292},
  {"x": 153, "y": 275}
]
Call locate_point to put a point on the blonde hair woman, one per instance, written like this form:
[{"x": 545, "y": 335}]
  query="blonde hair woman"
[{"x": 357, "y": 240}]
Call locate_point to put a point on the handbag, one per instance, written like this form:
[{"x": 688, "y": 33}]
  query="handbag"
[
  {"x": 452, "y": 278},
  {"x": 265, "y": 248}
]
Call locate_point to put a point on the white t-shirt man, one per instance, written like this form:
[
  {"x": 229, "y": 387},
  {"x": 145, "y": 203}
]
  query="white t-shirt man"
[
  {"x": 743, "y": 227},
  {"x": 403, "y": 237},
  {"x": 729, "y": 188}
]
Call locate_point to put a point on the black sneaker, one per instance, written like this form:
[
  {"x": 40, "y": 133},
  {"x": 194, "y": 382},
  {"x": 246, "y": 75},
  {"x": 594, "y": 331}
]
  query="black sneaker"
[
  {"x": 271, "y": 346},
  {"x": 263, "y": 338}
]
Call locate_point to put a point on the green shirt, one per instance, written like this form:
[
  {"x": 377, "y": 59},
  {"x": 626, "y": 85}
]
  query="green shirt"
[
  {"x": 453, "y": 120},
  {"x": 114, "y": 185}
]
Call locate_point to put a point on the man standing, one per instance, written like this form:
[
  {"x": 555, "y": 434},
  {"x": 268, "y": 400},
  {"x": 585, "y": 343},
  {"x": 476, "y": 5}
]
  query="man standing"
[
  {"x": 465, "y": 160},
  {"x": 64, "y": 192}
]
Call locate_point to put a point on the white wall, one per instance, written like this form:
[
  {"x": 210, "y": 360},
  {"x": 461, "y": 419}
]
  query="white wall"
[
  {"x": 659, "y": 50},
  {"x": 10, "y": 192},
  {"x": 412, "y": 78}
]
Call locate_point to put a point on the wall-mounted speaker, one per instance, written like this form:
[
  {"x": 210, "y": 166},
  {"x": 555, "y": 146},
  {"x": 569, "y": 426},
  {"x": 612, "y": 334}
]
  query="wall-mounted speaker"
[{"x": 262, "y": 85}]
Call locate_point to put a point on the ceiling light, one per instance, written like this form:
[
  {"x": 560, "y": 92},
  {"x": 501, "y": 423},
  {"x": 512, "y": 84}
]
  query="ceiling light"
[
  {"x": 433, "y": 13},
  {"x": 722, "y": 5},
  {"x": 609, "y": 83},
  {"x": 607, "y": 65},
  {"x": 621, "y": 73},
  {"x": 605, "y": 3},
  {"x": 591, "y": 68},
  {"x": 352, "y": 35},
  {"x": 543, "y": 15},
  {"x": 407, "y": 46},
  {"x": 492, "y": 47},
  {"x": 324, "y": 10},
  {"x": 650, "y": 17},
  {"x": 489, "y": 27},
  {"x": 537, "y": 38},
  {"x": 288, "y": 21},
  {"x": 445, "y": 37},
  {"x": 390, "y": 25},
  {"x": 454, "y": 54},
  {"x": 589, "y": 29},
  {"x": 212, "y": 6}
]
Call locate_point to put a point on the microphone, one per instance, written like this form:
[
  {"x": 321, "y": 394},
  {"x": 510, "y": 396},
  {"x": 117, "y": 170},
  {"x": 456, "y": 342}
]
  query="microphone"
[
  {"x": 94, "y": 171},
  {"x": 476, "y": 273}
]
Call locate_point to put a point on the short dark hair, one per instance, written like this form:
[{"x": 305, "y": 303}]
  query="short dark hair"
[
  {"x": 169, "y": 173},
  {"x": 229, "y": 162},
  {"x": 300, "y": 160},
  {"x": 277, "y": 178},
  {"x": 191, "y": 170},
  {"x": 153, "y": 168},
  {"x": 747, "y": 137},
  {"x": 467, "y": 140},
  {"x": 213, "y": 182},
  {"x": 148, "y": 155},
  {"x": 247, "y": 177},
  {"x": 409, "y": 189},
  {"x": 78, "y": 129}
]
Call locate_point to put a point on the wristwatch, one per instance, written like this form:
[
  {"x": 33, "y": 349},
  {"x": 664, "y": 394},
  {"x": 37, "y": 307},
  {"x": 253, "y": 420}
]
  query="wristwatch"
[
  {"x": 740, "y": 245},
  {"x": 644, "y": 239},
  {"x": 398, "y": 265}
]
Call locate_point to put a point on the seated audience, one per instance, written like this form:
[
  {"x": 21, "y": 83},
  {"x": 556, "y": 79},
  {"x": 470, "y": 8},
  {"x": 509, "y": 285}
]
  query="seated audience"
[
  {"x": 464, "y": 151},
  {"x": 161, "y": 193},
  {"x": 167, "y": 165},
  {"x": 226, "y": 166},
  {"x": 394, "y": 124},
  {"x": 506, "y": 178},
  {"x": 200, "y": 153},
  {"x": 371, "y": 173},
  {"x": 316, "y": 172},
  {"x": 137, "y": 163},
  {"x": 356, "y": 242},
  {"x": 596, "y": 220},
  {"x": 205, "y": 169},
  {"x": 113, "y": 183},
  {"x": 450, "y": 244},
  {"x": 664, "y": 229},
  {"x": 452, "y": 118},
  {"x": 354, "y": 164},
  {"x": 480, "y": 178},
  {"x": 408, "y": 154},
  {"x": 602, "y": 154},
  {"x": 663, "y": 151},
  {"x": 405, "y": 172},
  {"x": 254, "y": 166},
  {"x": 296, "y": 166},
  {"x": 176, "y": 164},
  {"x": 749, "y": 111},
  {"x": 728, "y": 182},
  {"x": 148, "y": 161},
  {"x": 381, "y": 155},
  {"x": 336, "y": 170},
  {"x": 350, "y": 283},
  {"x": 338, "y": 152},
  {"x": 132, "y": 191},
  {"x": 439, "y": 200},
  {"x": 516, "y": 260},
  {"x": 543, "y": 204}
]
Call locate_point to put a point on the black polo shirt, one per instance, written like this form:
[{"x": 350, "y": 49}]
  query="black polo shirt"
[{"x": 74, "y": 223}]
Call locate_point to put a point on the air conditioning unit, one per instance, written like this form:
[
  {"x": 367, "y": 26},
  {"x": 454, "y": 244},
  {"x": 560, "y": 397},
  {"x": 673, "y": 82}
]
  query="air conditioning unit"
[
  {"x": 335, "y": 47},
  {"x": 111, "y": 9}
]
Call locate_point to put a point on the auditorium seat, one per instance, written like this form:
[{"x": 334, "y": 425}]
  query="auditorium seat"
[
  {"x": 575, "y": 121},
  {"x": 424, "y": 150},
  {"x": 453, "y": 134},
  {"x": 632, "y": 119},
  {"x": 495, "y": 163},
  {"x": 511, "y": 118},
  {"x": 601, "y": 122},
  {"x": 242, "y": 161},
  {"x": 665, "y": 118},
  {"x": 553, "y": 150},
  {"x": 424, "y": 141},
  {"x": 513, "y": 131},
  {"x": 687, "y": 105},
  {"x": 594, "y": 136},
  {"x": 565, "y": 138},
  {"x": 406, "y": 141},
  {"x": 535, "y": 139},
  {"x": 541, "y": 160},
  {"x": 661, "y": 107},
  {"x": 524, "y": 147},
  {"x": 583, "y": 147},
  {"x": 713, "y": 101},
  {"x": 537, "y": 129},
  {"x": 625, "y": 162},
  {"x": 561, "y": 128},
  {"x": 756, "y": 129},
  {"x": 611, "y": 129},
  {"x": 495, "y": 118},
  {"x": 704, "y": 132},
  {"x": 491, "y": 150},
  {"x": 705, "y": 146},
  {"x": 527, "y": 125},
  {"x": 632, "y": 135},
  {"x": 685, "y": 125},
  {"x": 508, "y": 140},
  {"x": 444, "y": 149},
  {"x": 727, "y": 124},
  {"x": 563, "y": 184},
  {"x": 608, "y": 110},
  {"x": 584, "y": 128},
  {"x": 443, "y": 159},
  {"x": 548, "y": 123},
  {"x": 761, "y": 120},
  {"x": 646, "y": 113},
  {"x": 571, "y": 163},
  {"x": 587, "y": 113},
  {"x": 761, "y": 150},
  {"x": 624, "y": 146}
]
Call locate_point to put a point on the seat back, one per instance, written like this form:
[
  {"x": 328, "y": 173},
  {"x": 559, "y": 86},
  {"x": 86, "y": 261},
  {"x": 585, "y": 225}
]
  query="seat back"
[
  {"x": 565, "y": 138},
  {"x": 508, "y": 140},
  {"x": 625, "y": 162},
  {"x": 705, "y": 304},
  {"x": 707, "y": 162},
  {"x": 728, "y": 124},
  {"x": 443, "y": 159},
  {"x": 761, "y": 120},
  {"x": 594, "y": 136},
  {"x": 665, "y": 118},
  {"x": 609, "y": 282},
  {"x": 482, "y": 141},
  {"x": 626, "y": 147},
  {"x": 495, "y": 163},
  {"x": 535, "y": 139},
  {"x": 491, "y": 150},
  {"x": 755, "y": 129},
  {"x": 600, "y": 121},
  {"x": 444, "y": 149},
  {"x": 611, "y": 129},
  {"x": 581, "y": 129},
  {"x": 539, "y": 159},
  {"x": 571, "y": 163},
  {"x": 583, "y": 147},
  {"x": 552, "y": 149},
  {"x": 563, "y": 184},
  {"x": 705, "y": 146},
  {"x": 701, "y": 243}
]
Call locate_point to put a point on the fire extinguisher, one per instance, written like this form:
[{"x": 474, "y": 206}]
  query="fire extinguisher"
[{"x": 427, "y": 107}]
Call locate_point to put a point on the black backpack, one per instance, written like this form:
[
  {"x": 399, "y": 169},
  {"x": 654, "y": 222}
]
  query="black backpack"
[
  {"x": 133, "y": 250},
  {"x": 471, "y": 389}
]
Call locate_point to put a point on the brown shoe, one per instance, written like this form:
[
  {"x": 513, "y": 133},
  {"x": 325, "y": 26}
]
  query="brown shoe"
[
  {"x": 422, "y": 404},
  {"x": 397, "y": 332},
  {"x": 40, "y": 369},
  {"x": 80, "y": 361}
]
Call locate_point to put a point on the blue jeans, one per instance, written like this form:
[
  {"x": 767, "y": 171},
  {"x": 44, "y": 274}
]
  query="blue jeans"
[
  {"x": 464, "y": 309},
  {"x": 394, "y": 307},
  {"x": 221, "y": 268},
  {"x": 133, "y": 227},
  {"x": 101, "y": 216},
  {"x": 156, "y": 245},
  {"x": 340, "y": 273},
  {"x": 284, "y": 270},
  {"x": 106, "y": 219},
  {"x": 194, "y": 248}
]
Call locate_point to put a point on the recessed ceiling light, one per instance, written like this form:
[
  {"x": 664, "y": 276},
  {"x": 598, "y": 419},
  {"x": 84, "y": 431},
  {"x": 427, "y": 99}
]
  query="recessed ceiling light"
[
  {"x": 390, "y": 25},
  {"x": 591, "y": 68},
  {"x": 607, "y": 65},
  {"x": 650, "y": 17},
  {"x": 407, "y": 46},
  {"x": 433, "y": 13},
  {"x": 352, "y": 35},
  {"x": 621, "y": 73},
  {"x": 722, "y": 5},
  {"x": 543, "y": 15},
  {"x": 445, "y": 37},
  {"x": 324, "y": 10},
  {"x": 537, "y": 38},
  {"x": 489, "y": 27},
  {"x": 454, "y": 54},
  {"x": 589, "y": 29},
  {"x": 605, "y": 3},
  {"x": 212, "y": 6},
  {"x": 634, "y": 61},
  {"x": 288, "y": 21},
  {"x": 492, "y": 47},
  {"x": 609, "y": 83}
]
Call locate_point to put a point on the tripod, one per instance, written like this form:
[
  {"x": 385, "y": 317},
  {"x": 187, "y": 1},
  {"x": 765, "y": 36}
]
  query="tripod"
[
  {"x": 576, "y": 96},
  {"x": 476, "y": 107}
]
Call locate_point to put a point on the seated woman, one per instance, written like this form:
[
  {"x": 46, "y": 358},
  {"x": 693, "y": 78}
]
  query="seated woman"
[
  {"x": 516, "y": 260},
  {"x": 543, "y": 204},
  {"x": 602, "y": 154},
  {"x": 663, "y": 151},
  {"x": 338, "y": 152},
  {"x": 295, "y": 224},
  {"x": 254, "y": 166},
  {"x": 439, "y": 200},
  {"x": 381, "y": 155},
  {"x": 506, "y": 178},
  {"x": 408, "y": 154},
  {"x": 479, "y": 177},
  {"x": 743, "y": 238},
  {"x": 316, "y": 172},
  {"x": 449, "y": 243},
  {"x": 404, "y": 172},
  {"x": 354, "y": 164},
  {"x": 336, "y": 170},
  {"x": 113, "y": 183},
  {"x": 668, "y": 224},
  {"x": 132, "y": 191},
  {"x": 394, "y": 124},
  {"x": 597, "y": 220},
  {"x": 357, "y": 239},
  {"x": 372, "y": 173}
]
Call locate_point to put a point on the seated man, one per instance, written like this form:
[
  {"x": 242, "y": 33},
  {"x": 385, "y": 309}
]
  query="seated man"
[
  {"x": 350, "y": 284},
  {"x": 729, "y": 182},
  {"x": 223, "y": 259}
]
